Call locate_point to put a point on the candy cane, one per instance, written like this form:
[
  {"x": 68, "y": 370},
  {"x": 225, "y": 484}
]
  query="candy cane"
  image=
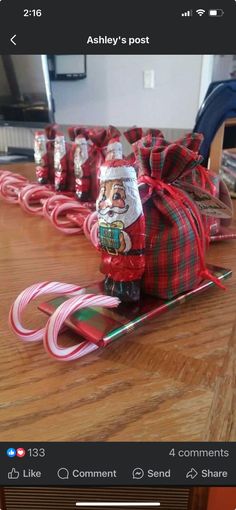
[
  {"x": 65, "y": 226},
  {"x": 10, "y": 188},
  {"x": 56, "y": 321},
  {"x": 23, "y": 191},
  {"x": 79, "y": 217},
  {"x": 4, "y": 174},
  {"x": 10, "y": 185},
  {"x": 28, "y": 295},
  {"x": 90, "y": 228},
  {"x": 33, "y": 195},
  {"x": 51, "y": 203}
]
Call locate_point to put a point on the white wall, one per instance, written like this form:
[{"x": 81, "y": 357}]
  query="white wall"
[
  {"x": 206, "y": 75},
  {"x": 113, "y": 92}
]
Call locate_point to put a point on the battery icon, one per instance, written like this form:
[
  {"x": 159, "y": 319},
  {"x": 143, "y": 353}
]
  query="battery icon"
[{"x": 216, "y": 12}]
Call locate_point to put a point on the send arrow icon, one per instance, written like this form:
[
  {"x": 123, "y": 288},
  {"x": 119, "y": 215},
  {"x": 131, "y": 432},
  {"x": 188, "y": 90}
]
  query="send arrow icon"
[{"x": 12, "y": 39}]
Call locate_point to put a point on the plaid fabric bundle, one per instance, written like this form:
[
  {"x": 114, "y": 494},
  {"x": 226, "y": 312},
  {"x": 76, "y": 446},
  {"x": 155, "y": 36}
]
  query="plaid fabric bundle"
[
  {"x": 195, "y": 174},
  {"x": 175, "y": 237},
  {"x": 135, "y": 134},
  {"x": 191, "y": 141}
]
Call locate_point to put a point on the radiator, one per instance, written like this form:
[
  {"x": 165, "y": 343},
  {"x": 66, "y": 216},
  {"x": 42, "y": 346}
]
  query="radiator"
[
  {"x": 24, "y": 137},
  {"x": 16, "y": 137}
]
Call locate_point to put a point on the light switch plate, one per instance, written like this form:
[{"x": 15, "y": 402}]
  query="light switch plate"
[{"x": 149, "y": 79}]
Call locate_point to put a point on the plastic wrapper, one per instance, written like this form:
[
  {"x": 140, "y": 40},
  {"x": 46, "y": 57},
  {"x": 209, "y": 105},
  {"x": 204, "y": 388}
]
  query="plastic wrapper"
[{"x": 121, "y": 230}]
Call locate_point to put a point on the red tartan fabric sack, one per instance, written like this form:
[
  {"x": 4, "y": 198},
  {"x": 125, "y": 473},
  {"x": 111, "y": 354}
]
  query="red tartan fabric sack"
[
  {"x": 195, "y": 174},
  {"x": 211, "y": 182},
  {"x": 191, "y": 141},
  {"x": 175, "y": 237}
]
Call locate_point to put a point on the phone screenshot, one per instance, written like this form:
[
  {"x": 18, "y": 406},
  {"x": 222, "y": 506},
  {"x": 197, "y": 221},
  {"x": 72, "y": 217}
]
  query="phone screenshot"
[{"x": 117, "y": 255}]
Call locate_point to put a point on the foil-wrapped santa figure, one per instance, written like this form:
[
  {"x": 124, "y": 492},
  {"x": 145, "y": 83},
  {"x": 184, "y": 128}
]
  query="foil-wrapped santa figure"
[
  {"x": 121, "y": 227},
  {"x": 41, "y": 157},
  {"x": 82, "y": 171},
  {"x": 60, "y": 162}
]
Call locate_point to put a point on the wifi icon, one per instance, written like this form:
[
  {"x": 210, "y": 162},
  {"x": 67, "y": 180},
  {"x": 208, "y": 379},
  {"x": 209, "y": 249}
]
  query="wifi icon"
[{"x": 200, "y": 12}]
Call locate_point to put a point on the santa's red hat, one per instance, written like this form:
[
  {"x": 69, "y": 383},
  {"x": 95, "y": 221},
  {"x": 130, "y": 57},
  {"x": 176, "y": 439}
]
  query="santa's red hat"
[{"x": 117, "y": 169}]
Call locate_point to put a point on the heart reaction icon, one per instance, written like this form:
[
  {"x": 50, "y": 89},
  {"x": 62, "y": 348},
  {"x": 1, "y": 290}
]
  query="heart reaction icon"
[{"x": 20, "y": 452}]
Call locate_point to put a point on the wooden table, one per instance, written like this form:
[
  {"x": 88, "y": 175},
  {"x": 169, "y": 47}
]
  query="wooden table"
[{"x": 172, "y": 380}]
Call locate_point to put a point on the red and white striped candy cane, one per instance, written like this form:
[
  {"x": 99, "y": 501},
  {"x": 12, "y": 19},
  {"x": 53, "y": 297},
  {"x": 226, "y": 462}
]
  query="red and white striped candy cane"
[
  {"x": 4, "y": 174},
  {"x": 66, "y": 226},
  {"x": 90, "y": 228},
  {"x": 51, "y": 203},
  {"x": 50, "y": 333},
  {"x": 30, "y": 199},
  {"x": 58, "y": 318},
  {"x": 30, "y": 294},
  {"x": 80, "y": 214},
  {"x": 10, "y": 187}
]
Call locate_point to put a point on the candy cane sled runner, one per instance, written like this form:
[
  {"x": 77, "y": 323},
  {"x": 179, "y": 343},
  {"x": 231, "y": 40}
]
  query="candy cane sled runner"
[{"x": 78, "y": 299}]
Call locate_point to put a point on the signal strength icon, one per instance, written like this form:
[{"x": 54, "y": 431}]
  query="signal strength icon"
[
  {"x": 200, "y": 12},
  {"x": 188, "y": 13}
]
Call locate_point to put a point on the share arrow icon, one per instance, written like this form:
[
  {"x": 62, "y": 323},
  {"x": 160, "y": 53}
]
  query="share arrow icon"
[{"x": 192, "y": 473}]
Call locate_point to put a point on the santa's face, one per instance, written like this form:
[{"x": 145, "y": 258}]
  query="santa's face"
[{"x": 119, "y": 200}]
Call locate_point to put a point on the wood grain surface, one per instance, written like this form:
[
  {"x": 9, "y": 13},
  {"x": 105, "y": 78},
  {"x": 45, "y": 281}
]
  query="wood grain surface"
[
  {"x": 171, "y": 380},
  {"x": 64, "y": 498}
]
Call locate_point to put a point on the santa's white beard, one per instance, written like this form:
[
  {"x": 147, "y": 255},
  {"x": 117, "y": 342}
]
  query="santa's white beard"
[
  {"x": 127, "y": 215},
  {"x": 111, "y": 211}
]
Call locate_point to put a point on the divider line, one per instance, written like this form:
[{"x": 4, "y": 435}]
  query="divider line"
[{"x": 118, "y": 503}]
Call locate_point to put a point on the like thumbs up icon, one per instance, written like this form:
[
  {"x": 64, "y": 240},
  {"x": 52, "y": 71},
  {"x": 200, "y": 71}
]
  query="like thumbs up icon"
[{"x": 13, "y": 474}]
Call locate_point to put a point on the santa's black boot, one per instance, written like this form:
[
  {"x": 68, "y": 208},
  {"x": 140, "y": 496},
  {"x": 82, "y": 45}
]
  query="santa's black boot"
[{"x": 128, "y": 292}]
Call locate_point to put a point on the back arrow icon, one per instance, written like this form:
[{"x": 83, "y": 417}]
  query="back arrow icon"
[{"x": 12, "y": 39}]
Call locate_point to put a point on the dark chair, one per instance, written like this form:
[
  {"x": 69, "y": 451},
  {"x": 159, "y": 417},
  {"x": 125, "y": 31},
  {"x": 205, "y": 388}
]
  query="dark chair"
[{"x": 219, "y": 105}]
